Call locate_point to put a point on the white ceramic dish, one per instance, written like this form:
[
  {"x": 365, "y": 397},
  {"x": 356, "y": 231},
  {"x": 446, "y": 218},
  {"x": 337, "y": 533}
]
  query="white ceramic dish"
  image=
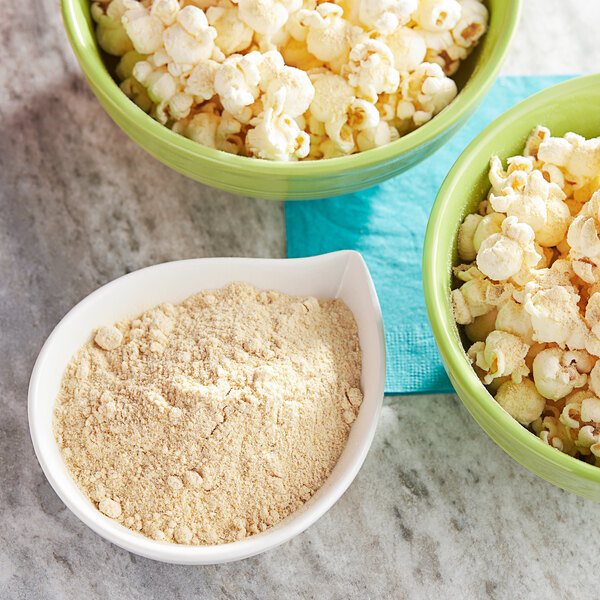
[{"x": 339, "y": 274}]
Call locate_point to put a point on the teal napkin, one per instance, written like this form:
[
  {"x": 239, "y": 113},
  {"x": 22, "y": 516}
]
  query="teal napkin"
[{"x": 386, "y": 224}]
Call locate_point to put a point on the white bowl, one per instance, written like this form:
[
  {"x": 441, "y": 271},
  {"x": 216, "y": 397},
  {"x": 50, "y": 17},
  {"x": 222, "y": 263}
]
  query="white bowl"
[{"x": 341, "y": 275}]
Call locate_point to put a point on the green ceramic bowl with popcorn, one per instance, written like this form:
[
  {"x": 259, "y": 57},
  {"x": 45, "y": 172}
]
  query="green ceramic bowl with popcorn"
[
  {"x": 570, "y": 106},
  {"x": 294, "y": 180}
]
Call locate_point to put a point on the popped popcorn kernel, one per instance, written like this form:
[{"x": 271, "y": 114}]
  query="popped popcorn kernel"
[
  {"x": 233, "y": 35},
  {"x": 521, "y": 400},
  {"x": 276, "y": 135},
  {"x": 583, "y": 235},
  {"x": 437, "y": 15},
  {"x": 408, "y": 48},
  {"x": 557, "y": 372},
  {"x": 501, "y": 354},
  {"x": 472, "y": 23},
  {"x": 371, "y": 70},
  {"x": 385, "y": 16},
  {"x": 502, "y": 255},
  {"x": 466, "y": 235},
  {"x": 513, "y": 318},
  {"x": 110, "y": 32},
  {"x": 144, "y": 30}
]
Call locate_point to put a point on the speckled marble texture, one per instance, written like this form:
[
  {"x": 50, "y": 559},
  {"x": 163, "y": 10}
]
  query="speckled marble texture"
[{"x": 438, "y": 510}]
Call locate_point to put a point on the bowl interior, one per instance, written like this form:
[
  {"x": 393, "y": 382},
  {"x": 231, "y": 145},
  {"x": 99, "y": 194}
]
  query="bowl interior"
[
  {"x": 281, "y": 180},
  {"x": 341, "y": 274},
  {"x": 570, "y": 106}
]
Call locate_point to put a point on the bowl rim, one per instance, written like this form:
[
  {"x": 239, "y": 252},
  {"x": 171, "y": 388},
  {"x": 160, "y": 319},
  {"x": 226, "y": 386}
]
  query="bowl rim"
[
  {"x": 472, "y": 93},
  {"x": 438, "y": 304},
  {"x": 218, "y": 553}
]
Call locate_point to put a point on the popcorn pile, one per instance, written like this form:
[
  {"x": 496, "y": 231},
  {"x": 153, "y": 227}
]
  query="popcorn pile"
[
  {"x": 530, "y": 297},
  {"x": 289, "y": 79}
]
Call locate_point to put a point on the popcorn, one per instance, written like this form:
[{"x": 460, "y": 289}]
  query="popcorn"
[
  {"x": 385, "y": 16},
  {"x": 449, "y": 48},
  {"x": 203, "y": 129},
  {"x": 378, "y": 135},
  {"x": 530, "y": 301},
  {"x": 332, "y": 103},
  {"x": 233, "y": 35},
  {"x": 165, "y": 10},
  {"x": 592, "y": 313},
  {"x": 276, "y": 135},
  {"x": 466, "y": 235},
  {"x": 581, "y": 418},
  {"x": 371, "y": 70},
  {"x": 477, "y": 297},
  {"x": 407, "y": 47},
  {"x": 110, "y": 32},
  {"x": 437, "y": 15},
  {"x": 471, "y": 24},
  {"x": 160, "y": 85},
  {"x": 555, "y": 318},
  {"x": 143, "y": 29},
  {"x": 521, "y": 400},
  {"x": 328, "y": 34},
  {"x": 487, "y": 226},
  {"x": 558, "y": 219},
  {"x": 336, "y": 78},
  {"x": 266, "y": 16},
  {"x": 578, "y": 156},
  {"x": 594, "y": 379},
  {"x": 554, "y": 433},
  {"x": 513, "y": 318},
  {"x": 583, "y": 235},
  {"x": 298, "y": 91},
  {"x": 502, "y": 255},
  {"x": 536, "y": 137},
  {"x": 296, "y": 28},
  {"x": 424, "y": 93},
  {"x": 236, "y": 83},
  {"x": 209, "y": 128},
  {"x": 444, "y": 51},
  {"x": 522, "y": 192},
  {"x": 584, "y": 270},
  {"x": 135, "y": 91},
  {"x": 201, "y": 81},
  {"x": 296, "y": 55},
  {"x": 191, "y": 39},
  {"x": 124, "y": 69},
  {"x": 557, "y": 372},
  {"x": 501, "y": 354}
]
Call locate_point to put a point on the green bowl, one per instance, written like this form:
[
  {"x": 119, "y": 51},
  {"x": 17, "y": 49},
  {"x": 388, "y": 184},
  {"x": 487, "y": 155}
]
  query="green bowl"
[
  {"x": 570, "y": 106},
  {"x": 300, "y": 180}
]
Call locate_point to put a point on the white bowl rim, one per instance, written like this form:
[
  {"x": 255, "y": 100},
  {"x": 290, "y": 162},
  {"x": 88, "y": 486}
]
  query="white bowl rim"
[{"x": 252, "y": 545}]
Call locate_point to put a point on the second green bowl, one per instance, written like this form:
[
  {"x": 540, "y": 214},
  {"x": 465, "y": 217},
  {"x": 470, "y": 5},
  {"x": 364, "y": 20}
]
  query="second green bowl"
[{"x": 570, "y": 106}]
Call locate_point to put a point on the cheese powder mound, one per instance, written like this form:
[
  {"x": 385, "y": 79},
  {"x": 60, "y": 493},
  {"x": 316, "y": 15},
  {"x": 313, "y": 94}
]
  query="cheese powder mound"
[{"x": 213, "y": 419}]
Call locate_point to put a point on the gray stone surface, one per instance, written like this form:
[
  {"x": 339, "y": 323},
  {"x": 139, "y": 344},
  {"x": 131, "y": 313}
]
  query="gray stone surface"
[{"x": 437, "y": 510}]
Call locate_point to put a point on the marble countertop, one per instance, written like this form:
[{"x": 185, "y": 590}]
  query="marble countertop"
[{"x": 438, "y": 510}]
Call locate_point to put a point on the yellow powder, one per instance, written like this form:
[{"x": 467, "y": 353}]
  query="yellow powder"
[{"x": 209, "y": 421}]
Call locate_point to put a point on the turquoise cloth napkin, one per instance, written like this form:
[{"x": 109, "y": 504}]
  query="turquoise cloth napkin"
[{"x": 386, "y": 224}]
